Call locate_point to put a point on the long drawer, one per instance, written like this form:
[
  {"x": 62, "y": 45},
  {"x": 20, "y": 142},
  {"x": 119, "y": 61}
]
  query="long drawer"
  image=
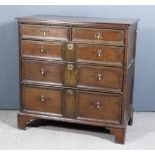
[
  {"x": 83, "y": 105},
  {"x": 73, "y": 75}
]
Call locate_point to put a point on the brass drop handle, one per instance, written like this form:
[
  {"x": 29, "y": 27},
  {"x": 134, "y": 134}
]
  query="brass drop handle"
[
  {"x": 98, "y": 35},
  {"x": 98, "y": 105},
  {"x": 99, "y": 53},
  {"x": 99, "y": 77},
  {"x": 70, "y": 67},
  {"x": 42, "y": 98},
  {"x": 42, "y": 50},
  {"x": 69, "y": 92},
  {"x": 45, "y": 33},
  {"x": 42, "y": 71}
]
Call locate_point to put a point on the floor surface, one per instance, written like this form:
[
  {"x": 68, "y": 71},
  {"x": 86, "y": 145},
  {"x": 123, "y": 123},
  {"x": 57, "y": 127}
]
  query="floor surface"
[{"x": 52, "y": 135}]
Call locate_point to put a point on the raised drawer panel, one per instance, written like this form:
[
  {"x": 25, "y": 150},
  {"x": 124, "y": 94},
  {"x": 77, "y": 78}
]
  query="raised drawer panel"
[
  {"x": 96, "y": 77},
  {"x": 42, "y": 100},
  {"x": 109, "y": 55},
  {"x": 104, "y": 36},
  {"x": 99, "y": 107},
  {"x": 70, "y": 75},
  {"x": 70, "y": 52},
  {"x": 43, "y": 32},
  {"x": 69, "y": 109},
  {"x": 41, "y": 49},
  {"x": 39, "y": 71}
]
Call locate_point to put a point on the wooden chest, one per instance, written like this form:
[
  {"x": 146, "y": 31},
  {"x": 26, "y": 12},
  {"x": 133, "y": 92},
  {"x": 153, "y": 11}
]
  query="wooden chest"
[{"x": 77, "y": 70}]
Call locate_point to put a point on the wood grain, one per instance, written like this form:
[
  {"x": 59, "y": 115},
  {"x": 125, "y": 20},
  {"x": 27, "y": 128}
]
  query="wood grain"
[
  {"x": 100, "y": 77},
  {"x": 42, "y": 71},
  {"x": 99, "y": 107},
  {"x": 110, "y": 55},
  {"x": 42, "y": 100},
  {"x": 41, "y": 49},
  {"x": 43, "y": 32},
  {"x": 77, "y": 70},
  {"x": 110, "y": 37}
]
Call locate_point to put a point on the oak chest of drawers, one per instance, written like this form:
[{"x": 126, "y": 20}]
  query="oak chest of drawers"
[{"x": 78, "y": 70}]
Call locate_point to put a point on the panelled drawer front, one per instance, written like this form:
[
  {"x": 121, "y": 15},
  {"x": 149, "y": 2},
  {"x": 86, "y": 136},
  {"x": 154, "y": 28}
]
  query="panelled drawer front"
[
  {"x": 42, "y": 100},
  {"x": 70, "y": 75},
  {"x": 99, "y": 107},
  {"x": 41, "y": 49},
  {"x": 43, "y": 32},
  {"x": 40, "y": 71},
  {"x": 69, "y": 103},
  {"x": 100, "y": 54},
  {"x": 106, "y": 78},
  {"x": 105, "y": 36}
]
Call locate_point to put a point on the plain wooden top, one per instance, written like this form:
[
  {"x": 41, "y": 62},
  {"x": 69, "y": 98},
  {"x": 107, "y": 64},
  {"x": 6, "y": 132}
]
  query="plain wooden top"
[{"x": 75, "y": 20}]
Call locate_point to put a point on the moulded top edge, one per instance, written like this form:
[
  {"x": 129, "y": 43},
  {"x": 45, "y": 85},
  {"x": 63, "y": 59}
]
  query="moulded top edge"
[{"x": 76, "y": 20}]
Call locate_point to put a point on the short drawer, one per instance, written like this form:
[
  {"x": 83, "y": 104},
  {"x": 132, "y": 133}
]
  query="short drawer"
[
  {"x": 96, "y": 77},
  {"x": 99, "y": 107},
  {"x": 109, "y": 55},
  {"x": 104, "y": 36},
  {"x": 41, "y": 49},
  {"x": 43, "y": 32},
  {"x": 42, "y": 99},
  {"x": 40, "y": 71}
]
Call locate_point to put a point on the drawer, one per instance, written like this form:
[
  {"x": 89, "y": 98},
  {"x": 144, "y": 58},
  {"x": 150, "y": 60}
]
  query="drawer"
[
  {"x": 99, "y": 107},
  {"x": 106, "y": 78},
  {"x": 41, "y": 49},
  {"x": 41, "y": 71},
  {"x": 104, "y": 36},
  {"x": 43, "y": 32},
  {"x": 109, "y": 55},
  {"x": 42, "y": 99}
]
